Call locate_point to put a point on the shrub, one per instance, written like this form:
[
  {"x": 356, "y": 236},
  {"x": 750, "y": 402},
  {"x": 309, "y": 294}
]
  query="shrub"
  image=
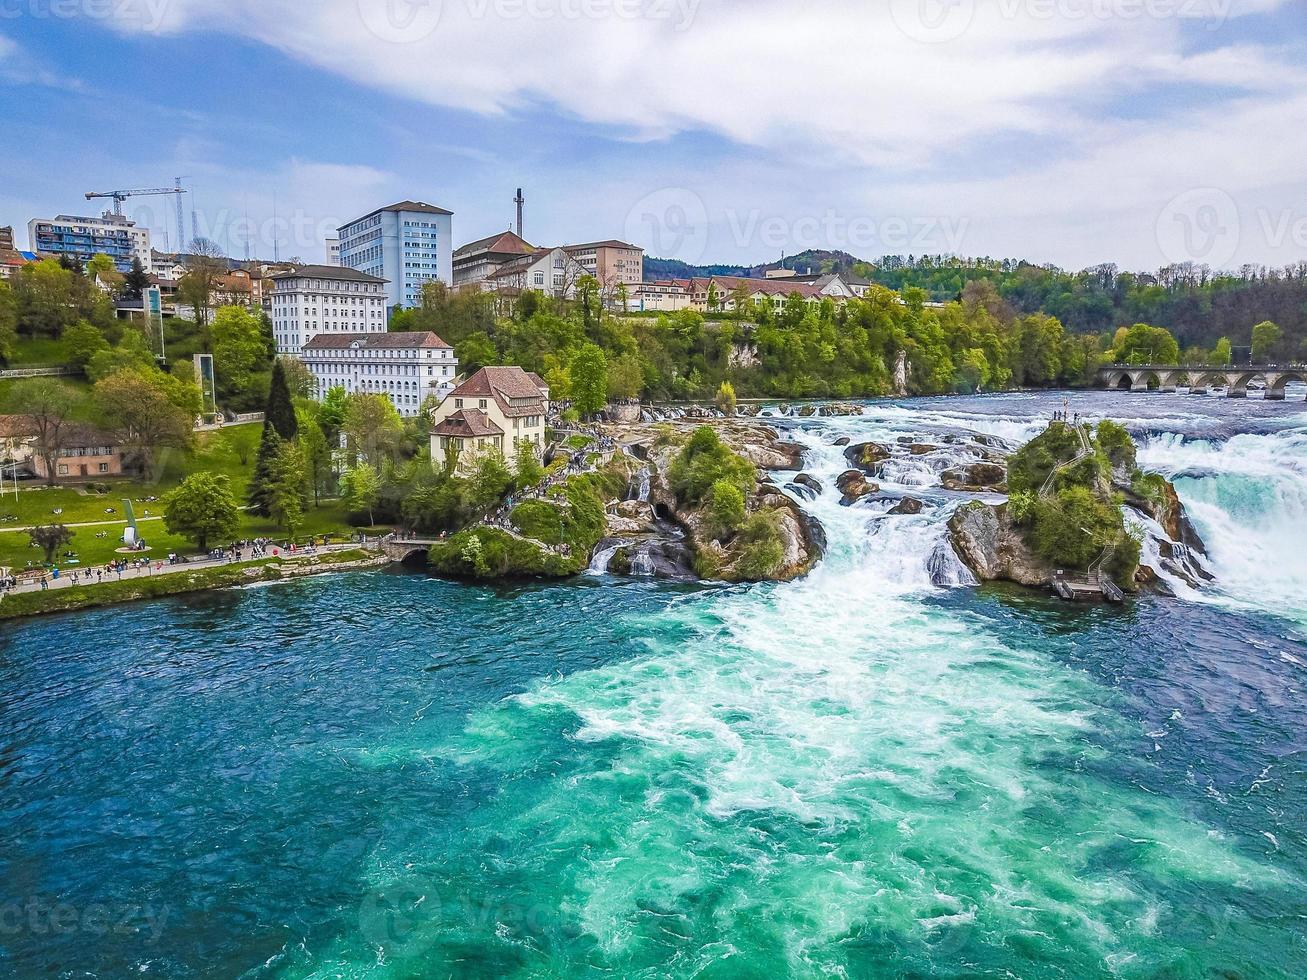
[
  {"x": 704, "y": 462},
  {"x": 762, "y": 552},
  {"x": 540, "y": 520},
  {"x": 725, "y": 507},
  {"x": 1021, "y": 507},
  {"x": 1072, "y": 527},
  {"x": 1116, "y": 443}
]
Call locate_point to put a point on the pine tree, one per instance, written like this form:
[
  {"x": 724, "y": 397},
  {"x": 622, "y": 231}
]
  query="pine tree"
[
  {"x": 265, "y": 472},
  {"x": 280, "y": 413},
  {"x": 136, "y": 280}
]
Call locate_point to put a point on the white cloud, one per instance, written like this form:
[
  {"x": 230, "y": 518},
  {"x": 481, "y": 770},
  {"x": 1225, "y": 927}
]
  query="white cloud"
[{"x": 868, "y": 103}]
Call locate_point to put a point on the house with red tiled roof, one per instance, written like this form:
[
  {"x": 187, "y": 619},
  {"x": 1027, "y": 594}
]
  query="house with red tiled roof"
[{"x": 494, "y": 410}]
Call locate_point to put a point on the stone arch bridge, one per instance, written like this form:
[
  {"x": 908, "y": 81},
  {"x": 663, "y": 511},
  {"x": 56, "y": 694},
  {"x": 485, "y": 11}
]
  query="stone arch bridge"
[{"x": 1271, "y": 378}]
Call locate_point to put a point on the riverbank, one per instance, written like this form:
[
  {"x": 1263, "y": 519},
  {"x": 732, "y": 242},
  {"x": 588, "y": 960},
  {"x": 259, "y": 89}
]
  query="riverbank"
[{"x": 180, "y": 579}]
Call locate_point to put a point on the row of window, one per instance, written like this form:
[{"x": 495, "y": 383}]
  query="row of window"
[{"x": 284, "y": 287}]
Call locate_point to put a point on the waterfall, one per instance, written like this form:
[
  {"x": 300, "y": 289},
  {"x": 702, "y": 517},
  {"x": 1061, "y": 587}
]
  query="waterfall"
[
  {"x": 602, "y": 556},
  {"x": 643, "y": 493},
  {"x": 641, "y": 563},
  {"x": 1247, "y": 496}
]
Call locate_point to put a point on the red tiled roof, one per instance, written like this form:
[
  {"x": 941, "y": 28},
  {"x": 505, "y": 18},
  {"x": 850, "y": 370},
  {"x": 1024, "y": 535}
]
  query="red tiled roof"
[
  {"x": 504, "y": 241},
  {"x": 510, "y": 386},
  {"x": 467, "y": 423},
  {"x": 400, "y": 340},
  {"x": 16, "y": 427}
]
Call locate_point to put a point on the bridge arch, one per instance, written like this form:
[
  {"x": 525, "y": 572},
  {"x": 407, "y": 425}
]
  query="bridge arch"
[
  {"x": 1238, "y": 383},
  {"x": 1275, "y": 386},
  {"x": 1147, "y": 381}
]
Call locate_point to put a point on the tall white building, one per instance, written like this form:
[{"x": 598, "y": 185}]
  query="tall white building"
[
  {"x": 81, "y": 238},
  {"x": 405, "y": 367},
  {"x": 321, "y": 299},
  {"x": 332, "y": 247},
  {"x": 407, "y": 244}
]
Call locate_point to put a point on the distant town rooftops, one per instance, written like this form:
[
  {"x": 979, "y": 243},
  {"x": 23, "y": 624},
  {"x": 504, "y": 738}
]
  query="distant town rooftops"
[
  {"x": 420, "y": 206},
  {"x": 325, "y": 272},
  {"x": 423, "y": 339}
]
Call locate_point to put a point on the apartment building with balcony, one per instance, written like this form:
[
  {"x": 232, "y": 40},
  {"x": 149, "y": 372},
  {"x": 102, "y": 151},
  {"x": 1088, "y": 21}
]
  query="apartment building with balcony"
[{"x": 80, "y": 238}]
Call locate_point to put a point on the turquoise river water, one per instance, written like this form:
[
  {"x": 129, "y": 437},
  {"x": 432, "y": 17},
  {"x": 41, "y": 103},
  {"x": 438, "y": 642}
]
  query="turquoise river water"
[{"x": 860, "y": 774}]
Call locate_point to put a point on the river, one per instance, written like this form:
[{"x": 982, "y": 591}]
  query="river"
[{"x": 859, "y": 774}]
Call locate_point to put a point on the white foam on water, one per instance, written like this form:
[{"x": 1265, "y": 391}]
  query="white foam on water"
[{"x": 1247, "y": 496}]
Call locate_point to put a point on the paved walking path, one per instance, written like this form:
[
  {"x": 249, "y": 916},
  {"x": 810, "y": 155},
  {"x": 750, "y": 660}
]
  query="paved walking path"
[
  {"x": 28, "y": 527},
  {"x": 65, "y": 581}
]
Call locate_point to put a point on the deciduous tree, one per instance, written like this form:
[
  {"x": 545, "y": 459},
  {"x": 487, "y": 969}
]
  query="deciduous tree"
[
  {"x": 588, "y": 374},
  {"x": 202, "y": 508},
  {"x": 142, "y": 408},
  {"x": 50, "y": 405},
  {"x": 49, "y": 538}
]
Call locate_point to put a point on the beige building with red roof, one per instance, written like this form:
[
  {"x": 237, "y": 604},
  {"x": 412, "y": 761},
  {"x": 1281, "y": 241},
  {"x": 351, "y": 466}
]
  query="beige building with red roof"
[{"x": 493, "y": 410}]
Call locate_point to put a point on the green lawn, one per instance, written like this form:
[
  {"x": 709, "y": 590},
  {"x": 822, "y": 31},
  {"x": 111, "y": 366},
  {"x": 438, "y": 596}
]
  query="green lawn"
[
  {"x": 39, "y": 350},
  {"x": 228, "y": 451}
]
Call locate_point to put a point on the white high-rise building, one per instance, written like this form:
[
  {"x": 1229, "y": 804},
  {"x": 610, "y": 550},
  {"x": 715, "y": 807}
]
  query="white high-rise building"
[
  {"x": 405, "y": 367},
  {"x": 308, "y": 300},
  {"x": 332, "y": 246},
  {"x": 408, "y": 244}
]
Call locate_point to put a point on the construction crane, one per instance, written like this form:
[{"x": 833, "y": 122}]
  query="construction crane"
[{"x": 120, "y": 196}]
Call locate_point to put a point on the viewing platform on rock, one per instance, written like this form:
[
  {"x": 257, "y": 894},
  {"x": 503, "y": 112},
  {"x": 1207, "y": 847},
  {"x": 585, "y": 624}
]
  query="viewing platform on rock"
[{"x": 1198, "y": 378}]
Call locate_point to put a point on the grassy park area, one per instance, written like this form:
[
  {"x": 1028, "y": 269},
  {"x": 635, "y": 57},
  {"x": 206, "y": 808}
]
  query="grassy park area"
[{"x": 229, "y": 451}]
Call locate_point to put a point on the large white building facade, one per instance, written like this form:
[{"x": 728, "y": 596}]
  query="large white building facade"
[
  {"x": 408, "y": 244},
  {"x": 405, "y": 367},
  {"x": 308, "y": 300},
  {"x": 81, "y": 238}
]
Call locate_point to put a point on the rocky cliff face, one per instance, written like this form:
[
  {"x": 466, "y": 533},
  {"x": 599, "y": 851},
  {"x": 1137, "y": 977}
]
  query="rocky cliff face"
[
  {"x": 988, "y": 544},
  {"x": 801, "y": 537}
]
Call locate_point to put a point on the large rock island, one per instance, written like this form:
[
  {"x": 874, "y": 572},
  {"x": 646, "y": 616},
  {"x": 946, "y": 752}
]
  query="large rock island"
[
  {"x": 681, "y": 501},
  {"x": 1063, "y": 518}
]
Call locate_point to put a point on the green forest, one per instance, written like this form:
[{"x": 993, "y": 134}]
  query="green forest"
[{"x": 977, "y": 342}]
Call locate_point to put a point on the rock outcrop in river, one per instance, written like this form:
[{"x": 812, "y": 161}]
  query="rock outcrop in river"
[{"x": 1064, "y": 514}]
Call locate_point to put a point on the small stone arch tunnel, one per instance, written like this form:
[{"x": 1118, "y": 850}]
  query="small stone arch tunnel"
[{"x": 1198, "y": 380}]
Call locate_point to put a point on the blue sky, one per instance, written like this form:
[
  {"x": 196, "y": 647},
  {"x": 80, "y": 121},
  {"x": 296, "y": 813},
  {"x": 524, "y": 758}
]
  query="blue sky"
[{"x": 1073, "y": 131}]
